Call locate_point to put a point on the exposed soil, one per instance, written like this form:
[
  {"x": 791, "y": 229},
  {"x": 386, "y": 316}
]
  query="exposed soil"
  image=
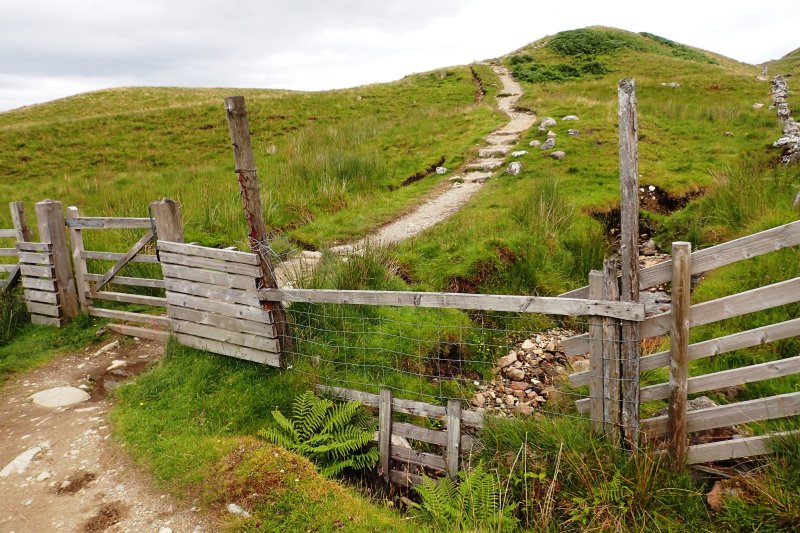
[
  {"x": 81, "y": 480},
  {"x": 424, "y": 174}
]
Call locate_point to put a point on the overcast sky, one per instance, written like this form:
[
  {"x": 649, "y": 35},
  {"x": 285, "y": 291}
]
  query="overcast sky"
[{"x": 55, "y": 48}]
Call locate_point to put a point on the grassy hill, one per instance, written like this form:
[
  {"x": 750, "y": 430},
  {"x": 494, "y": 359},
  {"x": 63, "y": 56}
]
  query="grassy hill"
[{"x": 788, "y": 65}]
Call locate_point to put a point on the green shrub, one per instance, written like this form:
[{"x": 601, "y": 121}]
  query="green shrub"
[
  {"x": 679, "y": 50},
  {"x": 591, "y": 42},
  {"x": 13, "y": 314}
]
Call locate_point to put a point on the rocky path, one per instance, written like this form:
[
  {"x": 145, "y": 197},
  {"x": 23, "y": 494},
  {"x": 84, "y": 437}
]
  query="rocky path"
[
  {"x": 449, "y": 198},
  {"x": 61, "y": 470}
]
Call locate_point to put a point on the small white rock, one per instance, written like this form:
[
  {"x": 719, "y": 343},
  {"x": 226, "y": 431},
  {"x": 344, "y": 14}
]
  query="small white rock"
[
  {"x": 116, "y": 363},
  {"x": 519, "y": 153},
  {"x": 235, "y": 509},
  {"x": 107, "y": 347},
  {"x": 441, "y": 170},
  {"x": 20, "y": 462},
  {"x": 514, "y": 168},
  {"x": 165, "y": 530},
  {"x": 44, "y": 475}
]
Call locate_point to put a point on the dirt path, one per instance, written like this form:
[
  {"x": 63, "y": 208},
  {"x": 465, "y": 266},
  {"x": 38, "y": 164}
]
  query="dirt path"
[
  {"x": 79, "y": 479},
  {"x": 447, "y": 199}
]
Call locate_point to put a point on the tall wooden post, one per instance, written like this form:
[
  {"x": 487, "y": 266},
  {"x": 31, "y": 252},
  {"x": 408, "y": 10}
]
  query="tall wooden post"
[
  {"x": 166, "y": 215},
  {"x": 251, "y": 201},
  {"x": 629, "y": 251},
  {"x": 612, "y": 393},
  {"x": 596, "y": 360},
  {"x": 23, "y": 235},
  {"x": 50, "y": 220},
  {"x": 679, "y": 351},
  {"x": 79, "y": 262},
  {"x": 453, "y": 437},
  {"x": 385, "y": 433}
]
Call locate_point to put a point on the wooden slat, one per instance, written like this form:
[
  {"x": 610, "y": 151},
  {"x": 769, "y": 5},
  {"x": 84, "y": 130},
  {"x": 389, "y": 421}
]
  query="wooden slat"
[
  {"x": 7, "y": 267},
  {"x": 125, "y": 280},
  {"x": 135, "y": 249},
  {"x": 212, "y": 253},
  {"x": 47, "y": 272},
  {"x": 136, "y": 331},
  {"x": 39, "y": 284},
  {"x": 596, "y": 360},
  {"x": 723, "y": 254},
  {"x": 78, "y": 262},
  {"x": 34, "y": 246},
  {"x": 8, "y": 252},
  {"x": 679, "y": 353},
  {"x": 733, "y": 449},
  {"x": 223, "y": 335},
  {"x": 486, "y": 302},
  {"x": 780, "y": 406},
  {"x": 114, "y": 314},
  {"x": 114, "y": 256},
  {"x": 410, "y": 431},
  {"x": 109, "y": 223},
  {"x": 405, "y": 479},
  {"x": 453, "y": 449},
  {"x": 43, "y": 309},
  {"x": 8, "y": 234},
  {"x": 233, "y": 281},
  {"x": 41, "y": 296},
  {"x": 255, "y": 314},
  {"x": 221, "y": 321},
  {"x": 213, "y": 292},
  {"x": 213, "y": 264},
  {"x": 231, "y": 350},
  {"x": 129, "y": 298},
  {"x": 429, "y": 460},
  {"x": 385, "y": 431},
  {"x": 35, "y": 258},
  {"x": 45, "y": 320}
]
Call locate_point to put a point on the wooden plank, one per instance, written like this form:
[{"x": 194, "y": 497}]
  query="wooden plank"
[
  {"x": 114, "y": 256},
  {"x": 230, "y": 350},
  {"x": 8, "y": 234},
  {"x": 129, "y": 298},
  {"x": 46, "y": 272},
  {"x": 135, "y": 249},
  {"x": 19, "y": 221},
  {"x": 34, "y": 246},
  {"x": 734, "y": 448},
  {"x": 48, "y": 285},
  {"x": 255, "y": 342},
  {"x": 45, "y": 321},
  {"x": 453, "y": 450},
  {"x": 385, "y": 432},
  {"x": 233, "y": 281},
  {"x": 405, "y": 479},
  {"x": 212, "y": 264},
  {"x": 225, "y": 322},
  {"x": 136, "y": 331},
  {"x": 255, "y": 314},
  {"x": 411, "y": 431},
  {"x": 42, "y": 297},
  {"x": 213, "y": 292},
  {"x": 485, "y": 302},
  {"x": 211, "y": 253},
  {"x": 429, "y": 460},
  {"x": 35, "y": 258},
  {"x": 679, "y": 352},
  {"x": 78, "y": 262},
  {"x": 596, "y": 359},
  {"x": 780, "y": 406},
  {"x": 8, "y": 252},
  {"x": 43, "y": 309},
  {"x": 8, "y": 267},
  {"x": 114, "y": 314},
  {"x": 129, "y": 281},
  {"x": 50, "y": 219},
  {"x": 717, "y": 256},
  {"x": 167, "y": 219},
  {"x": 612, "y": 394},
  {"x": 109, "y": 223}
]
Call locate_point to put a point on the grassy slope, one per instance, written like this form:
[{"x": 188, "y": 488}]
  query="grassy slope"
[{"x": 787, "y": 65}]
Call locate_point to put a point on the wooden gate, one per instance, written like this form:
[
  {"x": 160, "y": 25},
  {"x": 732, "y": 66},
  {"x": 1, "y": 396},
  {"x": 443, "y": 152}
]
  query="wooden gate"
[{"x": 18, "y": 233}]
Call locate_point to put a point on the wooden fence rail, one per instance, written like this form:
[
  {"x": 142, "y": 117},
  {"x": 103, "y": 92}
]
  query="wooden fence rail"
[{"x": 19, "y": 233}]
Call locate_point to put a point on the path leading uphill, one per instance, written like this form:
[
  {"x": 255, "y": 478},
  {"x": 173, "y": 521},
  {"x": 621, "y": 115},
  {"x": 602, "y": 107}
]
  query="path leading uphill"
[{"x": 449, "y": 198}]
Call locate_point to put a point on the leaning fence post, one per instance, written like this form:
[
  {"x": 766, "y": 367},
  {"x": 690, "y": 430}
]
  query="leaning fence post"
[
  {"x": 23, "y": 235},
  {"x": 385, "y": 432},
  {"x": 166, "y": 215},
  {"x": 679, "y": 351},
  {"x": 629, "y": 250},
  {"x": 79, "y": 262},
  {"x": 596, "y": 359},
  {"x": 50, "y": 219},
  {"x": 453, "y": 437}
]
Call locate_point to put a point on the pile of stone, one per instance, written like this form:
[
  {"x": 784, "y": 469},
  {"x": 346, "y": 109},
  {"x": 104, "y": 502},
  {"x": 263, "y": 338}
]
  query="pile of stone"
[
  {"x": 790, "y": 141},
  {"x": 524, "y": 378}
]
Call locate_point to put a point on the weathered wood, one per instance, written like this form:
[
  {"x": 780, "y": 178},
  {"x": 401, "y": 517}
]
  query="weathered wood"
[
  {"x": 18, "y": 219},
  {"x": 46, "y": 272},
  {"x": 411, "y": 431},
  {"x": 35, "y": 258},
  {"x": 129, "y": 281},
  {"x": 255, "y": 314},
  {"x": 154, "y": 301},
  {"x": 236, "y": 112},
  {"x": 429, "y": 460},
  {"x": 135, "y": 249},
  {"x": 137, "y": 331},
  {"x": 212, "y": 264},
  {"x": 385, "y": 432},
  {"x": 48, "y": 285},
  {"x": 733, "y": 449},
  {"x": 747, "y": 247},
  {"x": 43, "y": 309},
  {"x": 8, "y": 252},
  {"x": 679, "y": 352},
  {"x": 46, "y": 321},
  {"x": 8, "y": 234},
  {"x": 780, "y": 406},
  {"x": 485, "y": 302},
  {"x": 234, "y": 281},
  {"x": 8, "y": 267},
  {"x": 116, "y": 256},
  {"x": 79, "y": 263},
  {"x": 166, "y": 215},
  {"x": 597, "y": 361},
  {"x": 109, "y": 223},
  {"x": 214, "y": 292},
  {"x": 612, "y": 390},
  {"x": 127, "y": 316},
  {"x": 405, "y": 479},
  {"x": 231, "y": 256},
  {"x": 453, "y": 450},
  {"x": 231, "y": 350},
  {"x": 255, "y": 342},
  {"x": 225, "y": 322},
  {"x": 50, "y": 219},
  {"x": 34, "y": 247},
  {"x": 41, "y": 296}
]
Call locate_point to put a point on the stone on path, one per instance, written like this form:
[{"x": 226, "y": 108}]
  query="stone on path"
[
  {"x": 115, "y": 364},
  {"x": 558, "y": 154},
  {"x": 20, "y": 463},
  {"x": 59, "y": 397},
  {"x": 549, "y": 144},
  {"x": 514, "y": 168},
  {"x": 493, "y": 151},
  {"x": 108, "y": 347}
]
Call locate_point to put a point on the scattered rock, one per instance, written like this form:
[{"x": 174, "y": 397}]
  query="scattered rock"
[
  {"x": 764, "y": 76},
  {"x": 672, "y": 84},
  {"x": 722, "y": 490},
  {"x": 551, "y": 134},
  {"x": 311, "y": 255},
  {"x": 547, "y": 122},
  {"x": 514, "y": 168},
  {"x": 115, "y": 364},
  {"x": 728, "y": 134},
  {"x": 648, "y": 248},
  {"x": 441, "y": 170},
  {"x": 573, "y": 133},
  {"x": 570, "y": 117},
  {"x": 515, "y": 374},
  {"x": 165, "y": 530},
  {"x": 527, "y": 344},
  {"x": 758, "y": 105},
  {"x": 507, "y": 360},
  {"x": 549, "y": 144},
  {"x": 524, "y": 409},
  {"x": 20, "y": 463},
  {"x": 235, "y": 509},
  {"x": 519, "y": 153},
  {"x": 534, "y": 143},
  {"x": 520, "y": 385},
  {"x": 479, "y": 400},
  {"x": 44, "y": 475},
  {"x": 60, "y": 397},
  {"x": 558, "y": 154},
  {"x": 790, "y": 141},
  {"x": 106, "y": 348}
]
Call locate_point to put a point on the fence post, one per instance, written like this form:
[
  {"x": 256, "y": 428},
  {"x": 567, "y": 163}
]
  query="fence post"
[
  {"x": 385, "y": 432},
  {"x": 50, "y": 220},
  {"x": 251, "y": 201},
  {"x": 453, "y": 437},
  {"x": 79, "y": 262},
  {"x": 611, "y": 357},
  {"x": 19, "y": 221},
  {"x": 166, "y": 215},
  {"x": 597, "y": 361},
  {"x": 679, "y": 351},
  {"x": 629, "y": 250}
]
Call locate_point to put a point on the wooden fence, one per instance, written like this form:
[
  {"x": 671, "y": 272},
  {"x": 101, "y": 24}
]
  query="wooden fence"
[
  {"x": 20, "y": 232},
  {"x": 37, "y": 269}
]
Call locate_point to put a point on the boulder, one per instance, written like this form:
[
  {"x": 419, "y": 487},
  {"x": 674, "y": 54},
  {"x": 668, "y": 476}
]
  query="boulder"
[
  {"x": 59, "y": 397},
  {"x": 549, "y": 144},
  {"x": 535, "y": 143},
  {"x": 520, "y": 385},
  {"x": 507, "y": 360},
  {"x": 514, "y": 168},
  {"x": 479, "y": 400},
  {"x": 547, "y": 122},
  {"x": 524, "y": 409},
  {"x": 516, "y": 374},
  {"x": 558, "y": 154}
]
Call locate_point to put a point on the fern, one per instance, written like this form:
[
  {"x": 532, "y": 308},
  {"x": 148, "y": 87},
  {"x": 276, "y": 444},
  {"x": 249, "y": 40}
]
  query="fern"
[{"x": 334, "y": 437}]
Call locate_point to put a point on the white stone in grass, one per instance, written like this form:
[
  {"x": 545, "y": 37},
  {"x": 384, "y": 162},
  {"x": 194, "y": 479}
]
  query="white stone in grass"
[
  {"x": 519, "y": 153},
  {"x": 570, "y": 117},
  {"x": 535, "y": 143},
  {"x": 441, "y": 170},
  {"x": 115, "y": 364},
  {"x": 514, "y": 168},
  {"x": 235, "y": 509},
  {"x": 59, "y": 397},
  {"x": 549, "y": 144}
]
